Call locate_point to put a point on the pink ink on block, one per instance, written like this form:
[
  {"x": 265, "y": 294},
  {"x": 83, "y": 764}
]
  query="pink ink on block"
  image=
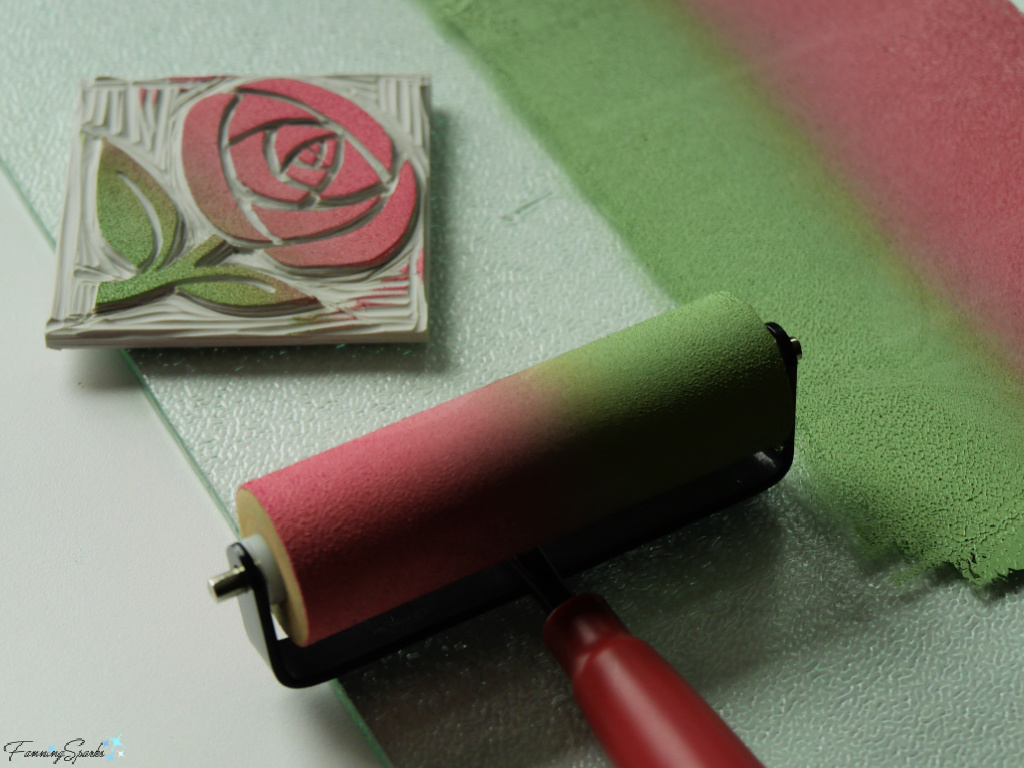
[{"x": 245, "y": 211}]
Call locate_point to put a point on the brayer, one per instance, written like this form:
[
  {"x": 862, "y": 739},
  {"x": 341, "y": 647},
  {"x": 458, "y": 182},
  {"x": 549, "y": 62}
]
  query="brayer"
[{"x": 393, "y": 536}]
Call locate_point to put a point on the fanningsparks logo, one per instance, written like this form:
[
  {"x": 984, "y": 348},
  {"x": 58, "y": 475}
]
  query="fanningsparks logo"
[{"x": 73, "y": 749}]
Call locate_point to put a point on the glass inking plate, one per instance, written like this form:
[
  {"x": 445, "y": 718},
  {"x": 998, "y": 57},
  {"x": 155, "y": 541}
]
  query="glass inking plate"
[{"x": 238, "y": 211}]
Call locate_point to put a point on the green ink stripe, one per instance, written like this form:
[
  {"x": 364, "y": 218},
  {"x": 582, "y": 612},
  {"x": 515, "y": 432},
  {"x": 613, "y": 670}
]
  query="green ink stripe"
[{"x": 908, "y": 426}]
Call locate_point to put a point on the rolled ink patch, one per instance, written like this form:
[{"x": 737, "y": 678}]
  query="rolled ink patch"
[{"x": 229, "y": 210}]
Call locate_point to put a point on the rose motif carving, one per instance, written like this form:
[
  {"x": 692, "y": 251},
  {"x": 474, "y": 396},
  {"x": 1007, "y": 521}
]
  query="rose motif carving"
[{"x": 299, "y": 171}]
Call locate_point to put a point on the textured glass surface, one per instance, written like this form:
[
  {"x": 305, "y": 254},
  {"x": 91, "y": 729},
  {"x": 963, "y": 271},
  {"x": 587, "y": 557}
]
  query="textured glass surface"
[{"x": 814, "y": 657}]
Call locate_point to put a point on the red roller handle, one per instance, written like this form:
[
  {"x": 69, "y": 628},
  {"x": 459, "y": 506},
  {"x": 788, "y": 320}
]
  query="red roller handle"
[{"x": 643, "y": 713}]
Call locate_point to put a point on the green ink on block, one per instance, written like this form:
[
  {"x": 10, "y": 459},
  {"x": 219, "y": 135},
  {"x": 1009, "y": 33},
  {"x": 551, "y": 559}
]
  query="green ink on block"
[
  {"x": 225, "y": 285},
  {"x": 136, "y": 216}
]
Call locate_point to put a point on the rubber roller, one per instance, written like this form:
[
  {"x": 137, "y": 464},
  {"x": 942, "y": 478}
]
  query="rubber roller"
[
  {"x": 357, "y": 547},
  {"x": 378, "y": 521}
]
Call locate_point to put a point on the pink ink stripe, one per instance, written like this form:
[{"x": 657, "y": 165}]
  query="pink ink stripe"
[{"x": 921, "y": 104}]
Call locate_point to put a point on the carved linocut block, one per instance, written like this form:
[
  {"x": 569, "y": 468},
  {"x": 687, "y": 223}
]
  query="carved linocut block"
[{"x": 232, "y": 210}]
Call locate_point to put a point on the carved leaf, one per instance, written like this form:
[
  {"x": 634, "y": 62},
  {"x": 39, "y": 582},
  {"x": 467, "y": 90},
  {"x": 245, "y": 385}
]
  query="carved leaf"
[
  {"x": 241, "y": 289},
  {"x": 136, "y": 216}
]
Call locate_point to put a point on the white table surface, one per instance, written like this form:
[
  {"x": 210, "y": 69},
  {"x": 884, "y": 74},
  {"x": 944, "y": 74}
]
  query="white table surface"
[{"x": 109, "y": 536}]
